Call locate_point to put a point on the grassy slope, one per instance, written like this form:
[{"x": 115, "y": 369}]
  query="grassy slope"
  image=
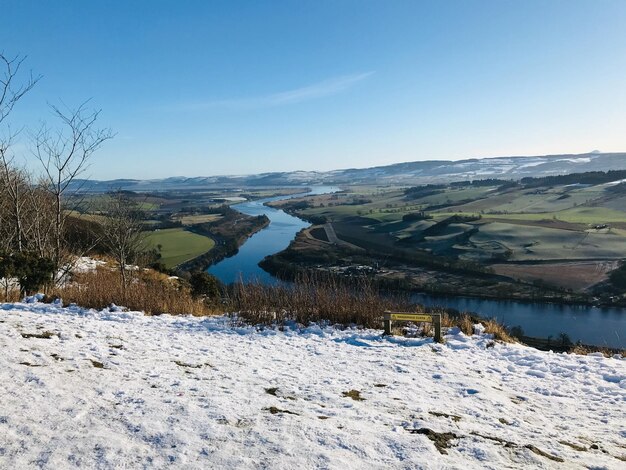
[
  {"x": 586, "y": 215},
  {"x": 179, "y": 245}
]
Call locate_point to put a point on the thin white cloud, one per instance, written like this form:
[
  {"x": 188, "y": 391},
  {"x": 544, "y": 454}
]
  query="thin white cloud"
[{"x": 321, "y": 89}]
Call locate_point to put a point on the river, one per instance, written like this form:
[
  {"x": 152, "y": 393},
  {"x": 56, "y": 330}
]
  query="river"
[
  {"x": 272, "y": 239},
  {"x": 591, "y": 325}
]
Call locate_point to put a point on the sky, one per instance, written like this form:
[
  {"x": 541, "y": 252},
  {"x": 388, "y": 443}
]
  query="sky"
[{"x": 198, "y": 88}]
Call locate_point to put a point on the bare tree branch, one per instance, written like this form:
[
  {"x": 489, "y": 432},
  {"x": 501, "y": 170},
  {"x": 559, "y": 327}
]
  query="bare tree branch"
[
  {"x": 65, "y": 154},
  {"x": 10, "y": 93}
]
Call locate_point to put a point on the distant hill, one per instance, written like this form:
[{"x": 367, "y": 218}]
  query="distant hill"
[{"x": 409, "y": 173}]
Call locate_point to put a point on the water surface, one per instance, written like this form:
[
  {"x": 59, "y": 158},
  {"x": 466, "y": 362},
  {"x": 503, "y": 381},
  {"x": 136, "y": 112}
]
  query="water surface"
[
  {"x": 591, "y": 325},
  {"x": 272, "y": 239}
]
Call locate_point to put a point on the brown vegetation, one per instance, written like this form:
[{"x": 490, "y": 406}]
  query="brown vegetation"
[
  {"x": 498, "y": 330},
  {"x": 149, "y": 291},
  {"x": 578, "y": 275},
  {"x": 315, "y": 299},
  {"x": 330, "y": 300}
]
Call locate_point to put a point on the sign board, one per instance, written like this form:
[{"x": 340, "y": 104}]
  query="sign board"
[
  {"x": 434, "y": 318},
  {"x": 410, "y": 317}
]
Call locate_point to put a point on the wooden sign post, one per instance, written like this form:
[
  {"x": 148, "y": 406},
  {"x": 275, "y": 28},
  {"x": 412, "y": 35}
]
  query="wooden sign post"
[{"x": 434, "y": 318}]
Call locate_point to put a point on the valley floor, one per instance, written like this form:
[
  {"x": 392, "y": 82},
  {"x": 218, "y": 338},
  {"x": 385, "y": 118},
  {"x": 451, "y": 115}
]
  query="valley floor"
[{"x": 113, "y": 389}]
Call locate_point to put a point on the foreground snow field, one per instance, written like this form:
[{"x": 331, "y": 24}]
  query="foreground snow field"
[{"x": 81, "y": 388}]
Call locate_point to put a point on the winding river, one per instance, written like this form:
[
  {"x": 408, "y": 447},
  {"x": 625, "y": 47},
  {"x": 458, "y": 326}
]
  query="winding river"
[
  {"x": 591, "y": 325},
  {"x": 272, "y": 239}
]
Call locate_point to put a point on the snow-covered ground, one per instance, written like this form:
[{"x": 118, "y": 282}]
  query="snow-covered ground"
[
  {"x": 85, "y": 264},
  {"x": 113, "y": 389}
]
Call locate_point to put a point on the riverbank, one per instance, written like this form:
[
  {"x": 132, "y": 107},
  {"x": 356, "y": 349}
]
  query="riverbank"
[
  {"x": 230, "y": 232},
  {"x": 541, "y": 316}
]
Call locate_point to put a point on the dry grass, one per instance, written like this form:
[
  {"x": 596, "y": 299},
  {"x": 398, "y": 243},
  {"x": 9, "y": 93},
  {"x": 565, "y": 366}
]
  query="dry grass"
[
  {"x": 499, "y": 331},
  {"x": 328, "y": 300},
  {"x": 447, "y": 321},
  {"x": 584, "y": 350},
  {"x": 11, "y": 295},
  {"x": 581, "y": 350},
  {"x": 315, "y": 299},
  {"x": 466, "y": 323},
  {"x": 148, "y": 291}
]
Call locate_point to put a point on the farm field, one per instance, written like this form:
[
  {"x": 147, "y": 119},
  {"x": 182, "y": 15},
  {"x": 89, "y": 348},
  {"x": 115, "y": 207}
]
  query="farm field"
[
  {"x": 198, "y": 219},
  {"x": 538, "y": 243},
  {"x": 497, "y": 224},
  {"x": 576, "y": 275},
  {"x": 90, "y": 217},
  {"x": 178, "y": 245},
  {"x": 583, "y": 215}
]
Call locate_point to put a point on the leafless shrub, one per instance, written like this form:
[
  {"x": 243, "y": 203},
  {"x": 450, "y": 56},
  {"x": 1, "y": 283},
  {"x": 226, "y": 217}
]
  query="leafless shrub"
[
  {"x": 8, "y": 291},
  {"x": 151, "y": 292}
]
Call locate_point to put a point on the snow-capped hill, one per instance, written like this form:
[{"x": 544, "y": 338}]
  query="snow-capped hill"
[
  {"x": 409, "y": 173},
  {"x": 114, "y": 389}
]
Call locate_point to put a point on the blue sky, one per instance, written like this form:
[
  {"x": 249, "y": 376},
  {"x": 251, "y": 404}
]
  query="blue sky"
[{"x": 237, "y": 87}]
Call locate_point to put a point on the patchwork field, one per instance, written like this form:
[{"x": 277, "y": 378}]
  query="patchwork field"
[{"x": 498, "y": 224}]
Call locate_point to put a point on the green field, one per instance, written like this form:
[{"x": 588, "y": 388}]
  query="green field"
[
  {"x": 178, "y": 245},
  {"x": 581, "y": 215}
]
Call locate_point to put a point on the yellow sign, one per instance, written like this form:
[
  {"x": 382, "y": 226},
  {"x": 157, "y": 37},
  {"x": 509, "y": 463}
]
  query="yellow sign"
[{"x": 411, "y": 317}]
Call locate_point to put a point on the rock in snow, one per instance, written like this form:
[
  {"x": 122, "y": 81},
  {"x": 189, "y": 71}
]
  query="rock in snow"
[{"x": 114, "y": 389}]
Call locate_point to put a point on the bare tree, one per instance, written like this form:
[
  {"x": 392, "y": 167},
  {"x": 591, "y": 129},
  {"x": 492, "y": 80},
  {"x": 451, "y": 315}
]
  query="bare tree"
[
  {"x": 5, "y": 217},
  {"x": 65, "y": 154},
  {"x": 122, "y": 233},
  {"x": 15, "y": 186},
  {"x": 40, "y": 217},
  {"x": 26, "y": 212},
  {"x": 32, "y": 213},
  {"x": 13, "y": 180}
]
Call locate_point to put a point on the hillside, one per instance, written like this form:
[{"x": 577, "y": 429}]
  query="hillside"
[
  {"x": 408, "y": 173},
  {"x": 551, "y": 238},
  {"x": 104, "y": 389}
]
